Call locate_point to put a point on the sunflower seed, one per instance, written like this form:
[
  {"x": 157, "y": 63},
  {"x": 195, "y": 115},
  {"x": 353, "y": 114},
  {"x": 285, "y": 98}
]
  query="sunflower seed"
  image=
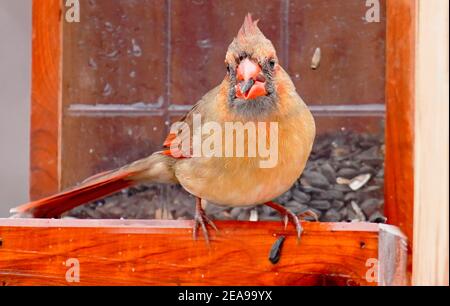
[
  {"x": 359, "y": 214},
  {"x": 359, "y": 181},
  {"x": 301, "y": 197},
  {"x": 370, "y": 206},
  {"x": 331, "y": 216},
  {"x": 320, "y": 204}
]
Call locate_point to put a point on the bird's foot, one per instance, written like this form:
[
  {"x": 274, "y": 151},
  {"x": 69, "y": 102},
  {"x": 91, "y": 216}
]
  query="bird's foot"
[
  {"x": 201, "y": 221},
  {"x": 288, "y": 215},
  {"x": 309, "y": 213}
]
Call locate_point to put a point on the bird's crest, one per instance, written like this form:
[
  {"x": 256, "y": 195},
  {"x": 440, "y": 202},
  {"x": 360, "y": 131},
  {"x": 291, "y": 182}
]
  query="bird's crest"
[
  {"x": 249, "y": 30},
  {"x": 250, "y": 40}
]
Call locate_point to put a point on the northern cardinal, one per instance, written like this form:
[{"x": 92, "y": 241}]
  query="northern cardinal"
[{"x": 255, "y": 89}]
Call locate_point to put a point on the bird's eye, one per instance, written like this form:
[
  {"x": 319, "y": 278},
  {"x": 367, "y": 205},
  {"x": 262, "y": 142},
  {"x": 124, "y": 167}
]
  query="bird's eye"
[
  {"x": 228, "y": 68},
  {"x": 272, "y": 63}
]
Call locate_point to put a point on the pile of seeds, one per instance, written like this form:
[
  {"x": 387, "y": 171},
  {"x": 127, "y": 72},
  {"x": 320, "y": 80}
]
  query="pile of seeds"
[{"x": 343, "y": 181}]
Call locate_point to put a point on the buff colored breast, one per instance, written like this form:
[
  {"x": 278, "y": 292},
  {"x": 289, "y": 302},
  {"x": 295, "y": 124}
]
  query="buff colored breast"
[{"x": 241, "y": 181}]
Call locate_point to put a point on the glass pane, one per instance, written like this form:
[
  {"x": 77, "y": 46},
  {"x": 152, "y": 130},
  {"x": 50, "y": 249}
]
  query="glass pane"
[{"x": 131, "y": 67}]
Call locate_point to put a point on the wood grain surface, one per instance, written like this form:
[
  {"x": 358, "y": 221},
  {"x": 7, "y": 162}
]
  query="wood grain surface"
[
  {"x": 45, "y": 98},
  {"x": 399, "y": 176},
  {"x": 431, "y": 156},
  {"x": 34, "y": 252}
]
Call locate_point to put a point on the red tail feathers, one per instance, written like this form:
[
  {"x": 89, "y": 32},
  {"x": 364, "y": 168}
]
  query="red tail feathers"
[{"x": 93, "y": 189}]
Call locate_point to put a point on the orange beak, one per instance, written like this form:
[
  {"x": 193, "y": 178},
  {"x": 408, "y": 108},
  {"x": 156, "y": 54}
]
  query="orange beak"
[{"x": 251, "y": 83}]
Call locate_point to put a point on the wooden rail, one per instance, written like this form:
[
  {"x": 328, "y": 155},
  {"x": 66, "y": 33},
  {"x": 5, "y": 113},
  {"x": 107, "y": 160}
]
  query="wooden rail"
[{"x": 116, "y": 252}]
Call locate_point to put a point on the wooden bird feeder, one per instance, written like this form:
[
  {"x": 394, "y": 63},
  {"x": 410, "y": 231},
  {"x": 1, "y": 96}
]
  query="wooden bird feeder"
[
  {"x": 79, "y": 100},
  {"x": 116, "y": 252}
]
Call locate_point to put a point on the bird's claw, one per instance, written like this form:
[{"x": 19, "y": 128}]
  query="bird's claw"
[
  {"x": 295, "y": 220},
  {"x": 288, "y": 215},
  {"x": 201, "y": 221},
  {"x": 309, "y": 213}
]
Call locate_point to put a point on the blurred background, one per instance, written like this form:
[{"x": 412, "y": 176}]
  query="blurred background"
[{"x": 15, "y": 78}]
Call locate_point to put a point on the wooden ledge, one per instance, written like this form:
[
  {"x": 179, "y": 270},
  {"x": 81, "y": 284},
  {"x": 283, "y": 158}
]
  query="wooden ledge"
[{"x": 159, "y": 252}]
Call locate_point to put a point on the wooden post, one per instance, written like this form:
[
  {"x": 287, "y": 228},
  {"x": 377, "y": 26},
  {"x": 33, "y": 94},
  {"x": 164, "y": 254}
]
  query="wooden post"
[
  {"x": 45, "y": 98},
  {"x": 399, "y": 178},
  {"x": 122, "y": 252},
  {"x": 431, "y": 196}
]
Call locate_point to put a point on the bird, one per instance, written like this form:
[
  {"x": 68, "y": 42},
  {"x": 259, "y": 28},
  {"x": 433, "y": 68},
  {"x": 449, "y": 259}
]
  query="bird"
[{"x": 255, "y": 89}]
